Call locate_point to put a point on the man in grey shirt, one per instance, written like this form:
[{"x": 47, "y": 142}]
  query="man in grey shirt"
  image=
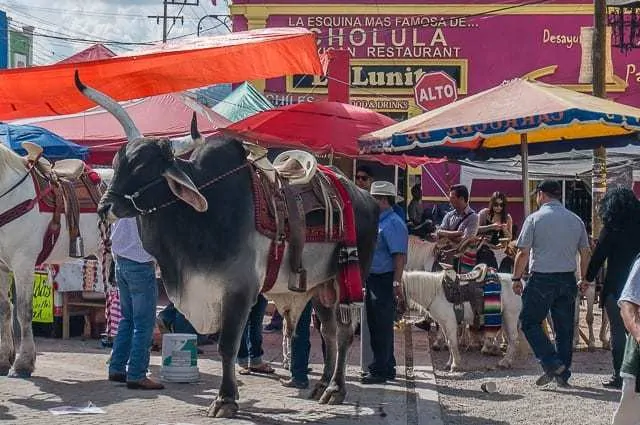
[
  {"x": 549, "y": 241},
  {"x": 462, "y": 221}
]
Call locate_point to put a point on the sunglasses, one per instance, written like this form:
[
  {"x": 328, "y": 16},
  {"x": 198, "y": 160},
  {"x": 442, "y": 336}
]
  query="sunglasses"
[{"x": 361, "y": 177}]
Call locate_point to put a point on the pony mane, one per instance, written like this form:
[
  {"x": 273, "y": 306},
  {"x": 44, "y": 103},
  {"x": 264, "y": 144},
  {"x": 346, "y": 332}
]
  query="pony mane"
[
  {"x": 9, "y": 159},
  {"x": 420, "y": 255},
  {"x": 421, "y": 288}
]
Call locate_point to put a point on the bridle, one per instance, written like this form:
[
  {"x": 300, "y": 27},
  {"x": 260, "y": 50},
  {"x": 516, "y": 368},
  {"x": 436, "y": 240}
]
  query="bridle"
[
  {"x": 142, "y": 211},
  {"x": 19, "y": 182}
]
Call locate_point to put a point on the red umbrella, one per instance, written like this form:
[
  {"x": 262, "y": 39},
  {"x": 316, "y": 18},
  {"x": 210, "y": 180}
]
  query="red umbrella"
[{"x": 320, "y": 127}]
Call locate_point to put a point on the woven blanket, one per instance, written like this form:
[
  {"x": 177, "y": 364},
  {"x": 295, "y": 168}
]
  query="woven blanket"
[{"x": 492, "y": 312}]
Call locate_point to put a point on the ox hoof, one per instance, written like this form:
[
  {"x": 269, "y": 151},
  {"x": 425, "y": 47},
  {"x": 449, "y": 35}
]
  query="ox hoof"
[
  {"x": 606, "y": 345},
  {"x": 455, "y": 368},
  {"x": 332, "y": 395},
  {"x": 21, "y": 374},
  {"x": 318, "y": 391},
  {"x": 222, "y": 409}
]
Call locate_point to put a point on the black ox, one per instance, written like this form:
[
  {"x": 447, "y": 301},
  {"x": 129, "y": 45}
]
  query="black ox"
[{"x": 212, "y": 259}]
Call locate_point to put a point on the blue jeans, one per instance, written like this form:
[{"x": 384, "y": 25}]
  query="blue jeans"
[
  {"x": 381, "y": 313},
  {"x": 138, "y": 298},
  {"x": 301, "y": 347},
  {"x": 555, "y": 292},
  {"x": 250, "y": 351}
]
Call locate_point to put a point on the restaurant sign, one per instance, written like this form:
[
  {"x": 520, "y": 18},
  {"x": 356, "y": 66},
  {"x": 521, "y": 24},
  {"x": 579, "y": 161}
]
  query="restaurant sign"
[{"x": 388, "y": 77}]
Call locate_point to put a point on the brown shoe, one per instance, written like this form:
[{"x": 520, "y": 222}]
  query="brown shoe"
[
  {"x": 117, "y": 377},
  {"x": 144, "y": 384}
]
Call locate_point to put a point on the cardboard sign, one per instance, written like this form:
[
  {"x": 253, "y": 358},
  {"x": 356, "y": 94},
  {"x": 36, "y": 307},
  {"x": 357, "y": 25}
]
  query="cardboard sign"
[{"x": 42, "y": 297}]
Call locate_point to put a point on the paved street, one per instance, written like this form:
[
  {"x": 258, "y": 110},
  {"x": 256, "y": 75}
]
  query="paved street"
[{"x": 73, "y": 373}]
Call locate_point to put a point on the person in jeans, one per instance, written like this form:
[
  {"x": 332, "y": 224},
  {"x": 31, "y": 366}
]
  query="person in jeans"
[
  {"x": 550, "y": 239},
  {"x": 250, "y": 351},
  {"x": 300, "y": 351},
  {"x": 383, "y": 284},
  {"x": 136, "y": 279},
  {"x": 628, "y": 411},
  {"x": 618, "y": 244}
]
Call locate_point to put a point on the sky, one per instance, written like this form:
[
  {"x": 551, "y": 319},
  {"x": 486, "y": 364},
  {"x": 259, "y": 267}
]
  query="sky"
[{"x": 112, "y": 20}]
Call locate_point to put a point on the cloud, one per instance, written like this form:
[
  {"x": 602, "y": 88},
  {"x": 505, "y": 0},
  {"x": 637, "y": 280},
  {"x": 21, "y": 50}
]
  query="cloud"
[{"x": 112, "y": 20}]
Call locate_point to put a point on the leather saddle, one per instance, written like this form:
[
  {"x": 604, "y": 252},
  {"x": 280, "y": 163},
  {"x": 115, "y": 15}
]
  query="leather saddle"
[
  {"x": 72, "y": 188},
  {"x": 300, "y": 198},
  {"x": 467, "y": 287}
]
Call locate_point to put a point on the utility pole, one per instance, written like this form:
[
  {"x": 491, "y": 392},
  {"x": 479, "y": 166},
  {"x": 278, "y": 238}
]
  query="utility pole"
[
  {"x": 599, "y": 51},
  {"x": 164, "y": 17}
]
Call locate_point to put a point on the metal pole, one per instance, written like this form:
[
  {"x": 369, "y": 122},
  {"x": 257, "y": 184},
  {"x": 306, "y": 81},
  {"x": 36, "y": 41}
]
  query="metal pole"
[
  {"x": 164, "y": 22},
  {"x": 599, "y": 174},
  {"x": 524, "y": 156}
]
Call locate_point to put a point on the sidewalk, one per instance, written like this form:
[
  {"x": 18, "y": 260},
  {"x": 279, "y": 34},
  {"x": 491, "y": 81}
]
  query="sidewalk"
[{"x": 73, "y": 373}]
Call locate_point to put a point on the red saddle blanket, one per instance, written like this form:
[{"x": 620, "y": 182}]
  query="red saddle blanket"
[{"x": 349, "y": 276}]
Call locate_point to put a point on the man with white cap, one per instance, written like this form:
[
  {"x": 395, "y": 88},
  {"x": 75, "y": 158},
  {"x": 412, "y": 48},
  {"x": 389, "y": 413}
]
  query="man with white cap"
[{"x": 383, "y": 284}]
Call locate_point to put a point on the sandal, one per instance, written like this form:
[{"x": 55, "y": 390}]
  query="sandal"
[
  {"x": 244, "y": 370},
  {"x": 262, "y": 368}
]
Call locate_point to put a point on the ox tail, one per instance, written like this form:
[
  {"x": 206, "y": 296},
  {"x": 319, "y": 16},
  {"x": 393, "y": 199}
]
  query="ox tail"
[{"x": 110, "y": 106}]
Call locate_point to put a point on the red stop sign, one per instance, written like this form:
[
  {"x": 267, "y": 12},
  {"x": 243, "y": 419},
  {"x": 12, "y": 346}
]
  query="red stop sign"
[{"x": 434, "y": 90}]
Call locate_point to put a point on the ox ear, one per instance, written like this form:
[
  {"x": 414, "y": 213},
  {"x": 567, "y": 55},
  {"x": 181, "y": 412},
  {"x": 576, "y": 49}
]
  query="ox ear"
[{"x": 182, "y": 186}]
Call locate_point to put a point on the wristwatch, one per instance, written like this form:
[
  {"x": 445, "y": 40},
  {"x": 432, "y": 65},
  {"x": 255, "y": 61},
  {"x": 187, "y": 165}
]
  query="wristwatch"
[
  {"x": 396, "y": 284},
  {"x": 516, "y": 279}
]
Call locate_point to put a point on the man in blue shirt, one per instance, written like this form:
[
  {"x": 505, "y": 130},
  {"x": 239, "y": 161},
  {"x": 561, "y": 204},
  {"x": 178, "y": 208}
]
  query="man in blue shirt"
[
  {"x": 383, "y": 284},
  {"x": 136, "y": 279}
]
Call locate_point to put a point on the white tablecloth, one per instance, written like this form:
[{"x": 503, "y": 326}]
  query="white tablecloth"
[{"x": 78, "y": 275}]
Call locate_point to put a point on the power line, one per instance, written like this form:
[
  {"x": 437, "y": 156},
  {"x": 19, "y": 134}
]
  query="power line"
[{"x": 51, "y": 10}]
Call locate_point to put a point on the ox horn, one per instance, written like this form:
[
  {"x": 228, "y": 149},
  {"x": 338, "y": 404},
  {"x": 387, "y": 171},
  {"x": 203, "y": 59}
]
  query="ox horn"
[
  {"x": 184, "y": 145},
  {"x": 110, "y": 106}
]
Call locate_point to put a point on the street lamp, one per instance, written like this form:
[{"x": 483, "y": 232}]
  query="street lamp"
[{"x": 217, "y": 18}]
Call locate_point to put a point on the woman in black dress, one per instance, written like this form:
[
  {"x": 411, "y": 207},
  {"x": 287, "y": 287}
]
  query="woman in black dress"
[{"x": 618, "y": 244}]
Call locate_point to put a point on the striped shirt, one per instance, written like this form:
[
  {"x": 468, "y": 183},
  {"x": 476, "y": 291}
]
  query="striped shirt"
[{"x": 126, "y": 243}]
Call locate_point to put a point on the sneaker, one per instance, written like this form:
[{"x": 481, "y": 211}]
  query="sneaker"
[
  {"x": 547, "y": 377},
  {"x": 562, "y": 383},
  {"x": 615, "y": 382}
]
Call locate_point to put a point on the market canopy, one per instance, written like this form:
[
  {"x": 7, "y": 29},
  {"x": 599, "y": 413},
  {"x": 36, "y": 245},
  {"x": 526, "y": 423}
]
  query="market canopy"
[
  {"x": 54, "y": 147},
  {"x": 320, "y": 127},
  {"x": 158, "y": 116},
  {"x": 490, "y": 124},
  {"x": 161, "y": 69},
  {"x": 241, "y": 103}
]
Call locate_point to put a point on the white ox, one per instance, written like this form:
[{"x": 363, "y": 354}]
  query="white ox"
[{"x": 21, "y": 241}]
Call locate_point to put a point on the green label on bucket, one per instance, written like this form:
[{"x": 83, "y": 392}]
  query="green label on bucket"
[{"x": 179, "y": 352}]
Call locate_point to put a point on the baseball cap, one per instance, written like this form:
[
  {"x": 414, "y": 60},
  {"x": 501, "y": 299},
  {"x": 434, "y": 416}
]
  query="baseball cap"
[{"x": 550, "y": 187}]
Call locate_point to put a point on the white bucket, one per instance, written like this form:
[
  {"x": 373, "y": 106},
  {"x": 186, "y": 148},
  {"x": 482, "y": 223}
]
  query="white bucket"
[{"x": 179, "y": 358}]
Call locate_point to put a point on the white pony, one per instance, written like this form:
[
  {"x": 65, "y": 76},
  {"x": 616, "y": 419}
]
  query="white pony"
[
  {"x": 21, "y": 241},
  {"x": 424, "y": 290}
]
